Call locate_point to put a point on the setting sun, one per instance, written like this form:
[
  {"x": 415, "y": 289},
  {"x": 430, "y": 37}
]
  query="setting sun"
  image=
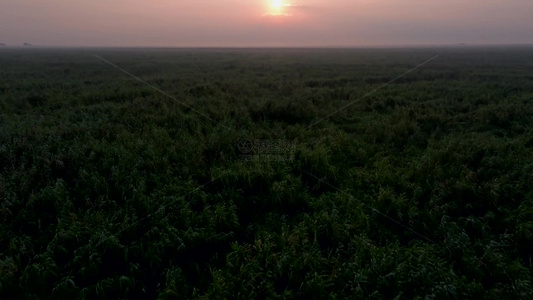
[
  {"x": 277, "y": 4},
  {"x": 278, "y": 8}
]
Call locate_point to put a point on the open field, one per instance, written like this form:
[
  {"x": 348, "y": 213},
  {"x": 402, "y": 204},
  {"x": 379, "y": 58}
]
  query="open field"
[{"x": 229, "y": 183}]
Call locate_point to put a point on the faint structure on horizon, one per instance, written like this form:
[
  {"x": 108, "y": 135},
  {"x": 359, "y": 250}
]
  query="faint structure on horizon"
[
  {"x": 2, "y": 44},
  {"x": 27, "y": 44}
]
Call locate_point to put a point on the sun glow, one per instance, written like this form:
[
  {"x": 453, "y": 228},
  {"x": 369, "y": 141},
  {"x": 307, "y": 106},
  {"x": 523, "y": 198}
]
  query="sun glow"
[
  {"x": 278, "y": 8},
  {"x": 277, "y": 4}
]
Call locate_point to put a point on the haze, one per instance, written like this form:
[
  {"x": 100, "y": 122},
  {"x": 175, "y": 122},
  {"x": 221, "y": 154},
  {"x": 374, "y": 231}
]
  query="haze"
[{"x": 249, "y": 23}]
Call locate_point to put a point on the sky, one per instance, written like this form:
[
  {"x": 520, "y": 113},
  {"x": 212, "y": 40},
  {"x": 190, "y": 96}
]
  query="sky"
[{"x": 264, "y": 23}]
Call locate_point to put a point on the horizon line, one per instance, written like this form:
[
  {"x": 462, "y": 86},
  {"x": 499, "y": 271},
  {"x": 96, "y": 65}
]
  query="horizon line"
[{"x": 418, "y": 45}]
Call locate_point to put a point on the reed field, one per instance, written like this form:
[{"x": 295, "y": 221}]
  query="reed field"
[{"x": 165, "y": 173}]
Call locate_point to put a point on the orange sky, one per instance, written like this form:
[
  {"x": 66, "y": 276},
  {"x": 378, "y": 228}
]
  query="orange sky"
[{"x": 255, "y": 23}]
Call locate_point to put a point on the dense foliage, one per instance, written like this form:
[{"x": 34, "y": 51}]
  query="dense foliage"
[{"x": 421, "y": 189}]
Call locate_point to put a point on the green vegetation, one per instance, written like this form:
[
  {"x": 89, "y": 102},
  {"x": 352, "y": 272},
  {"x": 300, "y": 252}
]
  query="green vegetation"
[{"x": 110, "y": 189}]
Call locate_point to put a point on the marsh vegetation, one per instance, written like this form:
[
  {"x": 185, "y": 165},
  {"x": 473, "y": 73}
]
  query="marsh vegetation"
[{"x": 110, "y": 189}]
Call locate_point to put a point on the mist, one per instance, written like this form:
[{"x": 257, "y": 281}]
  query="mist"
[{"x": 243, "y": 23}]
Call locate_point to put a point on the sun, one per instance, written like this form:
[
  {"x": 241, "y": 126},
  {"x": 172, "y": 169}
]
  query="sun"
[
  {"x": 277, "y": 4},
  {"x": 278, "y": 8}
]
